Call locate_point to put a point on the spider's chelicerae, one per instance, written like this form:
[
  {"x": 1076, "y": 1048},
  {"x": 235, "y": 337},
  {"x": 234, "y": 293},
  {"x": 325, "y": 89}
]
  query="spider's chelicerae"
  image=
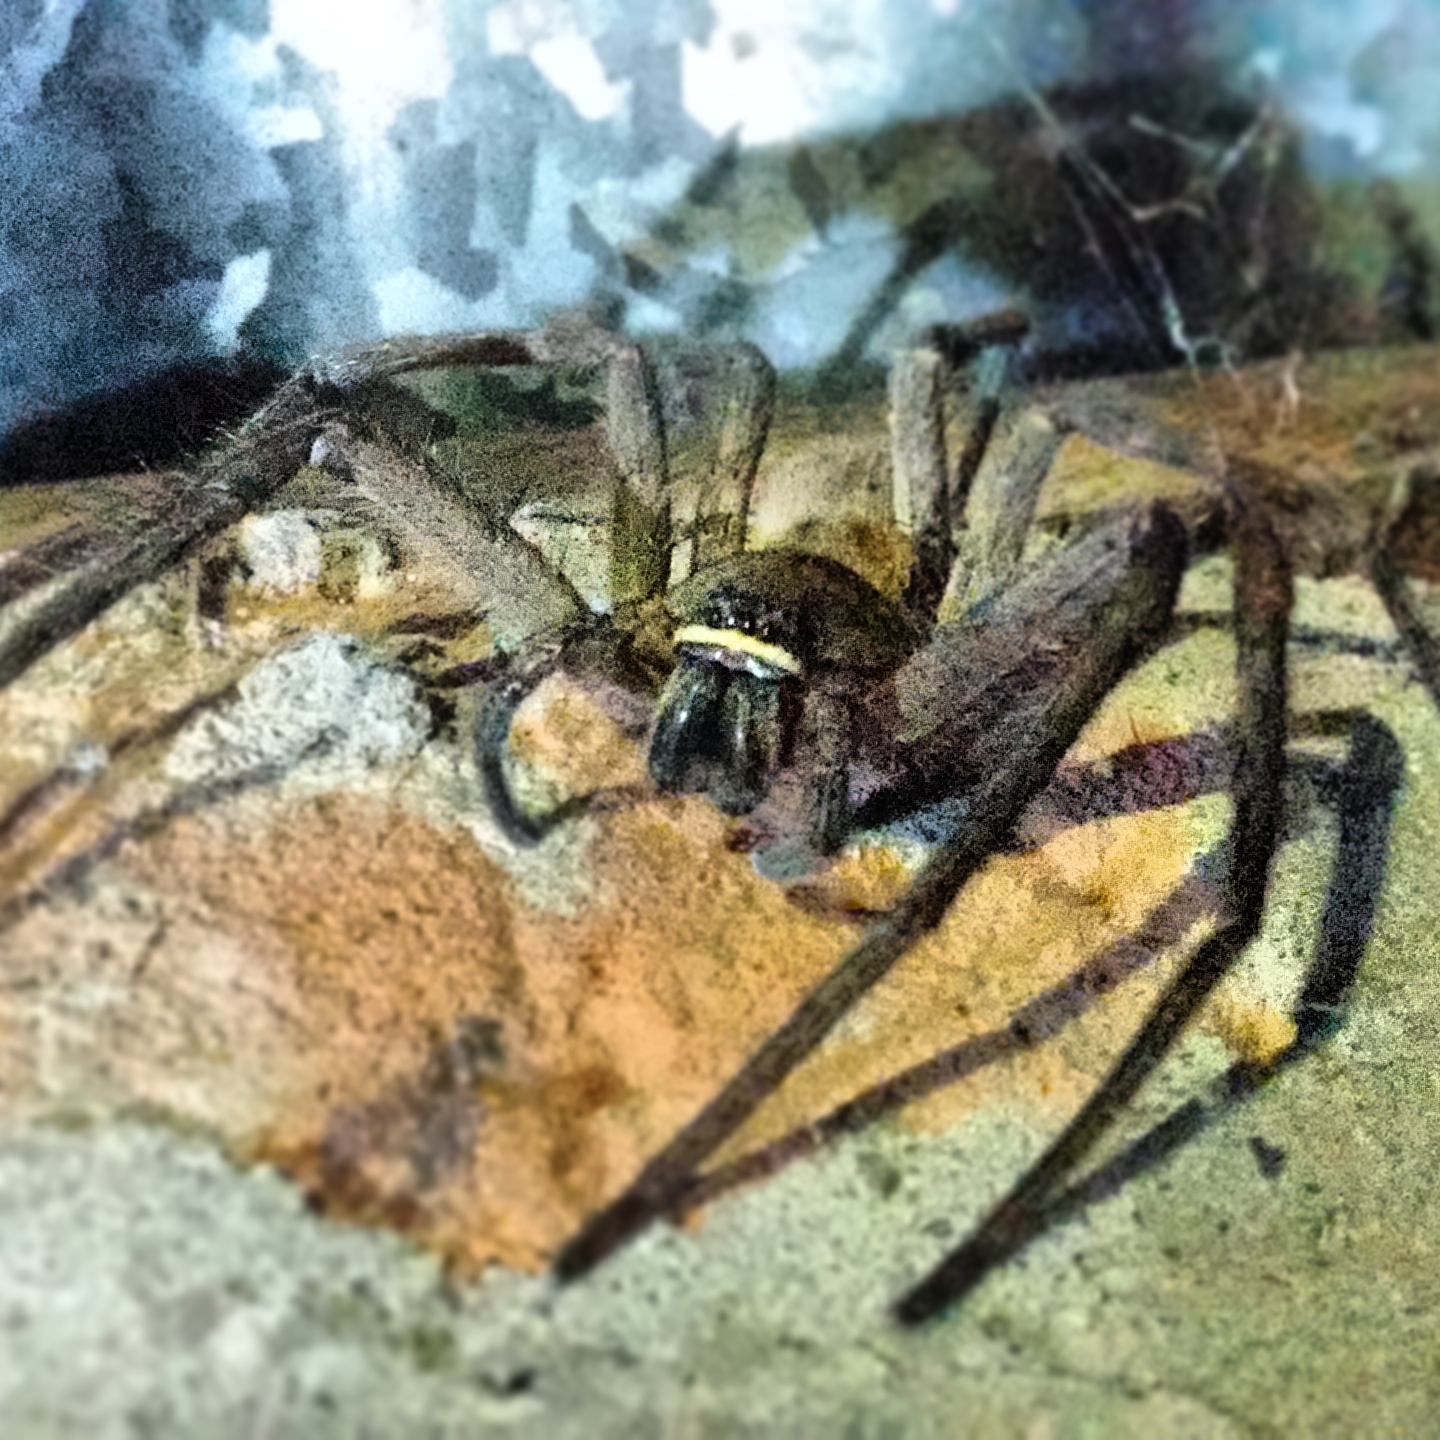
[{"x": 789, "y": 690}]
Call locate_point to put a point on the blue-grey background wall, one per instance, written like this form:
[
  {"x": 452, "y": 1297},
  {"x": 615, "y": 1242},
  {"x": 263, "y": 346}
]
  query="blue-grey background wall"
[{"x": 191, "y": 181}]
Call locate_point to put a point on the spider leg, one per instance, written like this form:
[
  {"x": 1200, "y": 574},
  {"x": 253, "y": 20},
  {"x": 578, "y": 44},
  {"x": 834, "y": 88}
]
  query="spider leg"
[
  {"x": 1363, "y": 792},
  {"x": 999, "y": 511},
  {"x": 1389, "y": 579},
  {"x": 919, "y": 379},
  {"x": 166, "y": 521},
  {"x": 825, "y": 741},
  {"x": 723, "y": 511},
  {"x": 640, "y": 524},
  {"x": 929, "y": 500},
  {"x": 163, "y": 522},
  {"x": 640, "y": 541},
  {"x": 1144, "y": 566},
  {"x": 1262, "y": 606}
]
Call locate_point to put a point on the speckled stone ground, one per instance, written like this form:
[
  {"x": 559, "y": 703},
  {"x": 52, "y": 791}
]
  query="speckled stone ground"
[{"x": 305, "y": 1072}]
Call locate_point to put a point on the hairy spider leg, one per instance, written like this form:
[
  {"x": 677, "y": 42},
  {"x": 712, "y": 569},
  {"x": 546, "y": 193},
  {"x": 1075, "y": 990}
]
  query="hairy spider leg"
[
  {"x": 930, "y": 501},
  {"x": 1389, "y": 579},
  {"x": 722, "y": 513},
  {"x": 920, "y": 380},
  {"x": 999, "y": 511},
  {"x": 825, "y": 738},
  {"x": 1036, "y": 1021},
  {"x": 270, "y": 447},
  {"x": 1363, "y": 791},
  {"x": 643, "y": 547},
  {"x": 1146, "y": 559},
  {"x": 1262, "y": 615},
  {"x": 640, "y": 523},
  {"x": 327, "y": 399}
]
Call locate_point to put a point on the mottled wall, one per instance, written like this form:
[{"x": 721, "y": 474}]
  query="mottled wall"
[{"x": 185, "y": 180}]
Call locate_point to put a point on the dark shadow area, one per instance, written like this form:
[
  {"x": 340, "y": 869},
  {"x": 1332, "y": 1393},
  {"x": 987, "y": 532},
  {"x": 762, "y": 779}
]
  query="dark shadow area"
[
  {"x": 154, "y": 423},
  {"x": 1149, "y": 775},
  {"x": 49, "y": 556},
  {"x": 1364, "y": 791}
]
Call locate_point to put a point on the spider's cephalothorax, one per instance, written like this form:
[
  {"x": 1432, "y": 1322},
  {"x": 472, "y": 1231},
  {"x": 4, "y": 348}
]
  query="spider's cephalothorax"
[
  {"x": 782, "y": 676},
  {"x": 765, "y": 646}
]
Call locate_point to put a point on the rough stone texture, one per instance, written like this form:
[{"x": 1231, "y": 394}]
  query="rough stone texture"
[
  {"x": 281, "y": 930},
  {"x": 320, "y": 701}
]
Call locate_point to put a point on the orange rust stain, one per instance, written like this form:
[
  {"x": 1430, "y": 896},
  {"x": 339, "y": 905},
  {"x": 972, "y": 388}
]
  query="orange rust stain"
[
  {"x": 613, "y": 1025},
  {"x": 601, "y": 1033},
  {"x": 1250, "y": 1029}
]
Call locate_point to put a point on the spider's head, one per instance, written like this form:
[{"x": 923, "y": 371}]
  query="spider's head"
[{"x": 753, "y": 636}]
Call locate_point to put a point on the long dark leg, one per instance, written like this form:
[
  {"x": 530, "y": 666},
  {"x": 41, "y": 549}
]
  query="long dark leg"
[
  {"x": 1262, "y": 605},
  {"x": 160, "y": 524},
  {"x": 1364, "y": 792},
  {"x": 1031, "y": 1026},
  {"x": 663, "y": 1182},
  {"x": 919, "y": 467},
  {"x": 1390, "y": 580},
  {"x": 1146, "y": 569}
]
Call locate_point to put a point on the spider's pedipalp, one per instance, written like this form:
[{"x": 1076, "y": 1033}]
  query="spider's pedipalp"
[
  {"x": 493, "y": 721},
  {"x": 717, "y": 730}
]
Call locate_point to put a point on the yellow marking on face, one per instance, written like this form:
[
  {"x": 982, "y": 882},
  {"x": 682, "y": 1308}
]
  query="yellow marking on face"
[{"x": 776, "y": 656}]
